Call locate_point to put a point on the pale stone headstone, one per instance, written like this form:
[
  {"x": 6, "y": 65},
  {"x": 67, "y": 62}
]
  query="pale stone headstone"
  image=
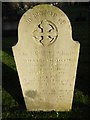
[{"x": 46, "y": 58}]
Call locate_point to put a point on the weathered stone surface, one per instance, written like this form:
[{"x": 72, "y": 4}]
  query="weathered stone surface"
[{"x": 46, "y": 58}]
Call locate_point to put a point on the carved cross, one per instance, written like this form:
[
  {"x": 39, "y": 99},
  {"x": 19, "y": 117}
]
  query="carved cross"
[{"x": 46, "y": 33}]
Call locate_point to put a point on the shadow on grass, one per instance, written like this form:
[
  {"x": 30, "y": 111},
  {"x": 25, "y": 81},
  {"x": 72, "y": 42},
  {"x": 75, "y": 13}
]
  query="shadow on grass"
[
  {"x": 8, "y": 43},
  {"x": 12, "y": 86}
]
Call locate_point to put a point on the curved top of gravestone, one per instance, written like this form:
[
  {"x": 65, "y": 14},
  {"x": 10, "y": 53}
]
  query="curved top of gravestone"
[{"x": 45, "y": 24}]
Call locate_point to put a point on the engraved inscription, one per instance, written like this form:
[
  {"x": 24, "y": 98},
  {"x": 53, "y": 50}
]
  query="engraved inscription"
[
  {"x": 41, "y": 13},
  {"x": 45, "y": 33}
]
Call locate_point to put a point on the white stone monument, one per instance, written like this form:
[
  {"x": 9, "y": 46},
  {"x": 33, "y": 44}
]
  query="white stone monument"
[{"x": 46, "y": 57}]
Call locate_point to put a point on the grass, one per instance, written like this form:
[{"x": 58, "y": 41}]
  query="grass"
[
  {"x": 80, "y": 109},
  {"x": 13, "y": 103}
]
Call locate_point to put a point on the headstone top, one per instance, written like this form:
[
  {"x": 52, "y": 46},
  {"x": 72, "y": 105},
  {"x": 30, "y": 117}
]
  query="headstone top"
[{"x": 45, "y": 22}]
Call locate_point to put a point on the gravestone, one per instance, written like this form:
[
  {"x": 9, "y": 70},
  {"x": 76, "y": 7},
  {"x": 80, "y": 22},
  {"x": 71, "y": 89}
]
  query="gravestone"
[{"x": 46, "y": 58}]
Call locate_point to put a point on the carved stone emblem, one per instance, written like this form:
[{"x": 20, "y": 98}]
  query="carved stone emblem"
[{"x": 45, "y": 33}]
